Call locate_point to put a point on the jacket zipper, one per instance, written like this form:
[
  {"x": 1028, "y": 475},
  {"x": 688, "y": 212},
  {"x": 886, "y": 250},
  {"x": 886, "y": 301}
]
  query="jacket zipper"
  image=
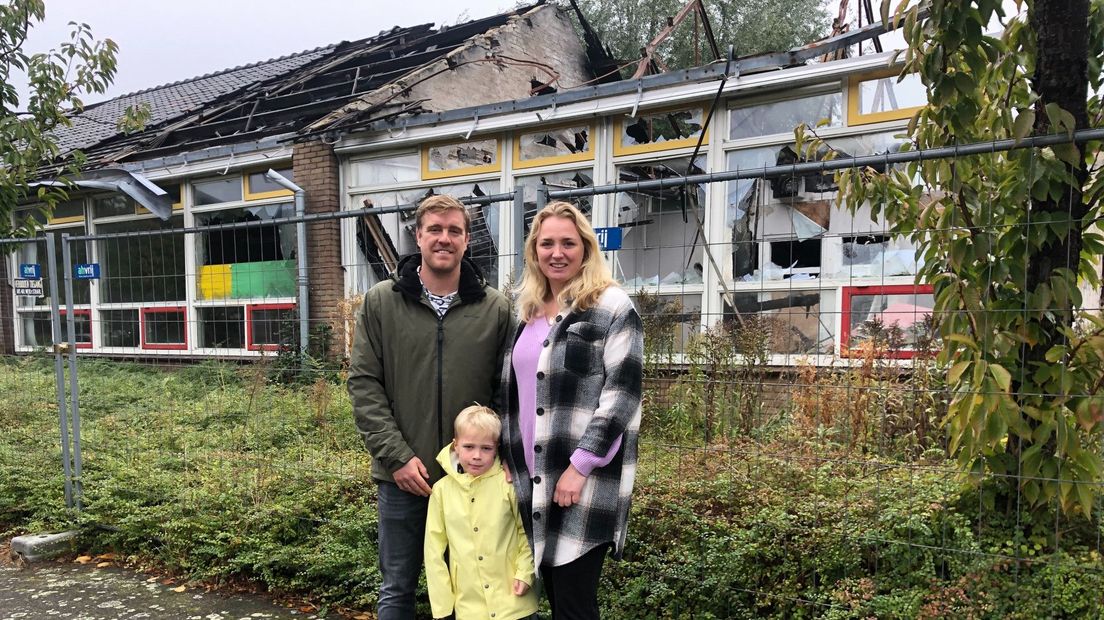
[{"x": 440, "y": 378}]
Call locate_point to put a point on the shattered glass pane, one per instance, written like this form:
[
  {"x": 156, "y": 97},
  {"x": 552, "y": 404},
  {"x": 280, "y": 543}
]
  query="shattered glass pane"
[
  {"x": 445, "y": 157},
  {"x": 554, "y": 142},
  {"x": 782, "y": 116},
  {"x": 659, "y": 127},
  {"x": 793, "y": 322},
  {"x": 887, "y": 94},
  {"x": 571, "y": 179},
  {"x": 383, "y": 239},
  {"x": 387, "y": 170},
  {"x": 661, "y": 241},
  {"x": 253, "y": 262}
]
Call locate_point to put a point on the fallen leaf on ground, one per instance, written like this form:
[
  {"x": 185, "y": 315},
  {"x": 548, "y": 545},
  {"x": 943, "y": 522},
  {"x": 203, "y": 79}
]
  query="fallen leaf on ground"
[
  {"x": 179, "y": 589},
  {"x": 84, "y": 559},
  {"x": 103, "y": 564},
  {"x": 167, "y": 582},
  {"x": 106, "y": 556}
]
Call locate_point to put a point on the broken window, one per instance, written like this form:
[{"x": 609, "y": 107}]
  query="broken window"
[
  {"x": 662, "y": 242},
  {"x": 383, "y": 239},
  {"x": 461, "y": 158},
  {"x": 791, "y": 227},
  {"x": 572, "y": 179},
  {"x": 386, "y": 170},
  {"x": 255, "y": 262},
  {"x": 793, "y": 322},
  {"x": 650, "y": 131},
  {"x": 553, "y": 145},
  {"x": 782, "y": 116}
]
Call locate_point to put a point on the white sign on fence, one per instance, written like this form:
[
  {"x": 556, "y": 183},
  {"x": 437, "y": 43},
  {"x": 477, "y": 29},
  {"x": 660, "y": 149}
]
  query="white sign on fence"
[{"x": 28, "y": 288}]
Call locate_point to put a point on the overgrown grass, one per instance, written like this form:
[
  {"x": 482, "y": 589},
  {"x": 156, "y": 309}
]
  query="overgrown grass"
[{"x": 217, "y": 473}]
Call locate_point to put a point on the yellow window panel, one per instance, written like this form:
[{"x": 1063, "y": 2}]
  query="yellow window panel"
[
  {"x": 215, "y": 282},
  {"x": 557, "y": 145},
  {"x": 257, "y": 187},
  {"x": 653, "y": 131},
  {"x": 878, "y": 97},
  {"x": 460, "y": 158}
]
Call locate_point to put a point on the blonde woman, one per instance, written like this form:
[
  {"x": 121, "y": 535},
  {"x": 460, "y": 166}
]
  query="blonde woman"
[{"x": 571, "y": 392}]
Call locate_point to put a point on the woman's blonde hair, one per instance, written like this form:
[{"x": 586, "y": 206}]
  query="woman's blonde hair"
[{"x": 583, "y": 291}]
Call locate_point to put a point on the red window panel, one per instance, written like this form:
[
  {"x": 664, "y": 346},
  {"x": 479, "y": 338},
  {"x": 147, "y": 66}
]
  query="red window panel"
[{"x": 905, "y": 306}]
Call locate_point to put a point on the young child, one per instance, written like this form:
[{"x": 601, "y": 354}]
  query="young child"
[{"x": 473, "y": 514}]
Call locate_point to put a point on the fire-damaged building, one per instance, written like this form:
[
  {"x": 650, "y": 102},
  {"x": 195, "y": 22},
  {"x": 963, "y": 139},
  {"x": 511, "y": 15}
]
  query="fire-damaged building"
[{"x": 520, "y": 100}]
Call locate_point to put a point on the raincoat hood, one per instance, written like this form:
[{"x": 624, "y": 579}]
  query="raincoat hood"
[{"x": 450, "y": 464}]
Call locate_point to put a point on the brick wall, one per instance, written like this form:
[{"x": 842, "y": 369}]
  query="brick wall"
[{"x": 316, "y": 170}]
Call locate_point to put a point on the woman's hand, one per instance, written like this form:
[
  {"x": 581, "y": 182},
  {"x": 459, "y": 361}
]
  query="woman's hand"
[{"x": 569, "y": 487}]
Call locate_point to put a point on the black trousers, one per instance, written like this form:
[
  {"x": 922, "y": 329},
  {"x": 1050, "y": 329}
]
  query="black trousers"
[{"x": 572, "y": 589}]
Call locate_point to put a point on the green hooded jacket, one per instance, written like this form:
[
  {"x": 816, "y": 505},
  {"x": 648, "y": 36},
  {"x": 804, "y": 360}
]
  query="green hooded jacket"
[{"x": 411, "y": 372}]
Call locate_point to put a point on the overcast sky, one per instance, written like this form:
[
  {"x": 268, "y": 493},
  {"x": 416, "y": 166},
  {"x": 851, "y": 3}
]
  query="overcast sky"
[{"x": 163, "y": 41}]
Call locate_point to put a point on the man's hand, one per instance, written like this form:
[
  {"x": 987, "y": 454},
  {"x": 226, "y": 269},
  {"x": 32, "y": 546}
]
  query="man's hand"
[
  {"x": 569, "y": 487},
  {"x": 413, "y": 478},
  {"x": 520, "y": 587}
]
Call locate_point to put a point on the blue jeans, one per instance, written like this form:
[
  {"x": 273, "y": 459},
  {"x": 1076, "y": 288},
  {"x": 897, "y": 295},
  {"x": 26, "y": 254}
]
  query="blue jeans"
[{"x": 402, "y": 520}]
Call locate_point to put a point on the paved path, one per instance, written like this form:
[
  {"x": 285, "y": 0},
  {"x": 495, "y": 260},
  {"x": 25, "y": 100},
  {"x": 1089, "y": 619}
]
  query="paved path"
[{"x": 76, "y": 592}]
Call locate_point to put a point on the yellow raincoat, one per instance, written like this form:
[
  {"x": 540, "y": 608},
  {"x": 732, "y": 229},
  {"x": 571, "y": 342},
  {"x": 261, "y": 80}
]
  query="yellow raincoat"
[{"x": 477, "y": 520}]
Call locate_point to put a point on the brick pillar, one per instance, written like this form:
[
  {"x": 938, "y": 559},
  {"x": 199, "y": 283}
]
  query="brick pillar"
[
  {"x": 315, "y": 167},
  {"x": 7, "y": 328}
]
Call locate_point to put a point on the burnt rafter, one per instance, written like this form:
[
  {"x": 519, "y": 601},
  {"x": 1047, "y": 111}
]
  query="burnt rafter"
[{"x": 296, "y": 98}]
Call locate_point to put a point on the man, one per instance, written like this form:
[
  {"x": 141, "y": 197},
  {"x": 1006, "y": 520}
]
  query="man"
[{"x": 428, "y": 343}]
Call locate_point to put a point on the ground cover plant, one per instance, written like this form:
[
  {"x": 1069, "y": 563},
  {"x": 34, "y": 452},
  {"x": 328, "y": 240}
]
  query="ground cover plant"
[{"x": 218, "y": 473}]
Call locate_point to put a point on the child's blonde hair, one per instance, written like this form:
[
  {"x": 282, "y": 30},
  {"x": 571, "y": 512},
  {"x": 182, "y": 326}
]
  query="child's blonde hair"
[{"x": 480, "y": 419}]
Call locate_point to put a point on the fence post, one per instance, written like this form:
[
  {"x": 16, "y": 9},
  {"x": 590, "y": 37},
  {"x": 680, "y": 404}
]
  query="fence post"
[
  {"x": 74, "y": 384},
  {"x": 542, "y": 197},
  {"x": 519, "y": 233},
  {"x": 59, "y": 370}
]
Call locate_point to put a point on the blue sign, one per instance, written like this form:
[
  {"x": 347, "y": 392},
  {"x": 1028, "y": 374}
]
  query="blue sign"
[
  {"x": 609, "y": 238},
  {"x": 30, "y": 271},
  {"x": 87, "y": 271}
]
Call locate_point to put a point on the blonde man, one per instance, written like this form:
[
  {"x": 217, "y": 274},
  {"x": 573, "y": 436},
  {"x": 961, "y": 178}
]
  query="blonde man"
[{"x": 428, "y": 342}]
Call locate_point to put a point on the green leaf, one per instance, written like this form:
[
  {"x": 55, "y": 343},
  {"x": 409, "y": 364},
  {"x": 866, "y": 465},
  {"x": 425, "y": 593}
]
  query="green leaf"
[
  {"x": 1002, "y": 377},
  {"x": 1023, "y": 124}
]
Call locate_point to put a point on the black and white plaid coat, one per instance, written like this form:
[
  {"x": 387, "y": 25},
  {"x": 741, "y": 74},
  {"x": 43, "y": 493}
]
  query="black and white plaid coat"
[{"x": 588, "y": 393}]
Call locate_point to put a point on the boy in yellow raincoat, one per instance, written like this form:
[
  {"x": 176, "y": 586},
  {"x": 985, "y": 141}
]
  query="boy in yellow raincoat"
[{"x": 473, "y": 514}]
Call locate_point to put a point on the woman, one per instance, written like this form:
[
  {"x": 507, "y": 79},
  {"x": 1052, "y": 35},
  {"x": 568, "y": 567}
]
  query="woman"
[{"x": 572, "y": 407}]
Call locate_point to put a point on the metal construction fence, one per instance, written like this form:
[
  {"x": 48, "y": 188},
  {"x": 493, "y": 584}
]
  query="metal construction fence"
[{"x": 794, "y": 457}]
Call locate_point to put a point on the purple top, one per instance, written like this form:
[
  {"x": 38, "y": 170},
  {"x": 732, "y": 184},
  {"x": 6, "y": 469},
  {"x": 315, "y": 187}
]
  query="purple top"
[{"x": 525, "y": 358}]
